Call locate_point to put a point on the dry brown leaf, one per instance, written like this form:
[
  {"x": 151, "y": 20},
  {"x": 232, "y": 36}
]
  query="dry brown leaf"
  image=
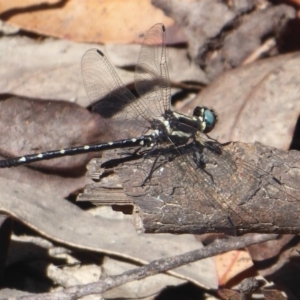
[
  {"x": 50, "y": 69},
  {"x": 59, "y": 185},
  {"x": 30, "y": 126},
  {"x": 231, "y": 264},
  {"x": 257, "y": 102},
  {"x": 85, "y": 21},
  {"x": 63, "y": 222}
]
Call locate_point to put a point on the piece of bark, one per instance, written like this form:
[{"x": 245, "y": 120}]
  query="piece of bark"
[{"x": 244, "y": 188}]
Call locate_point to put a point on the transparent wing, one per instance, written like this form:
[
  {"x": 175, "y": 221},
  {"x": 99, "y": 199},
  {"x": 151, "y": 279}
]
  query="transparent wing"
[
  {"x": 110, "y": 98},
  {"x": 225, "y": 190},
  {"x": 114, "y": 102},
  {"x": 226, "y": 185},
  {"x": 151, "y": 74}
]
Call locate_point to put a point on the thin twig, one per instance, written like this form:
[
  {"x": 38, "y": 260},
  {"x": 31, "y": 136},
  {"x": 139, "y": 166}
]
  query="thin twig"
[{"x": 155, "y": 267}]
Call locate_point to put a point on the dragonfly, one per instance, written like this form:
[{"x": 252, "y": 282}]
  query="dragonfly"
[{"x": 148, "y": 124}]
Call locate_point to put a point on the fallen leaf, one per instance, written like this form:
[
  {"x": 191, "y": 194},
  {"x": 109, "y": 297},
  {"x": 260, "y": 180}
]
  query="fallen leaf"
[
  {"x": 63, "y": 222},
  {"x": 85, "y": 21},
  {"x": 32, "y": 126},
  {"x": 231, "y": 264},
  {"x": 257, "y": 102},
  {"x": 51, "y": 69},
  {"x": 47, "y": 69}
]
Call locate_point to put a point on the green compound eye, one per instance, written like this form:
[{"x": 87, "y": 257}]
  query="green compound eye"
[
  {"x": 210, "y": 120},
  {"x": 207, "y": 116}
]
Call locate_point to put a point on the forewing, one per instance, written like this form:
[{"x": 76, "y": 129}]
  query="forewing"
[
  {"x": 151, "y": 75},
  {"x": 109, "y": 97}
]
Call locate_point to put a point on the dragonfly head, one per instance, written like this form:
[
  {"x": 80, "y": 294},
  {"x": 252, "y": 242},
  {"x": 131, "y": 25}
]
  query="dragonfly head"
[{"x": 207, "y": 117}]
